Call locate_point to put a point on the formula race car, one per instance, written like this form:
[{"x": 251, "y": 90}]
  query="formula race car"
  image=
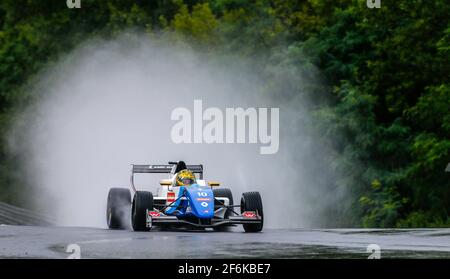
[{"x": 185, "y": 199}]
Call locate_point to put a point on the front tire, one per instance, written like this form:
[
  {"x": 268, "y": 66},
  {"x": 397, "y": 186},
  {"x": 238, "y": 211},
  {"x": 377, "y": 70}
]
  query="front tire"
[
  {"x": 251, "y": 201},
  {"x": 142, "y": 201},
  {"x": 117, "y": 207}
]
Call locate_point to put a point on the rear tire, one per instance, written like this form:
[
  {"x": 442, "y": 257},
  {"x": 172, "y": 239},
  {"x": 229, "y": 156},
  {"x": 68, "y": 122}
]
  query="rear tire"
[
  {"x": 251, "y": 201},
  {"x": 117, "y": 207},
  {"x": 142, "y": 201},
  {"x": 224, "y": 193}
]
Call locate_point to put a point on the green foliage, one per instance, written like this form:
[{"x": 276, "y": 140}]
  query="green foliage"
[
  {"x": 376, "y": 82},
  {"x": 419, "y": 219},
  {"x": 398, "y": 58},
  {"x": 381, "y": 206},
  {"x": 199, "y": 24}
]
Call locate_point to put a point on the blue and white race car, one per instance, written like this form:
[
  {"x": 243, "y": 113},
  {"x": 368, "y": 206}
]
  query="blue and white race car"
[{"x": 185, "y": 199}]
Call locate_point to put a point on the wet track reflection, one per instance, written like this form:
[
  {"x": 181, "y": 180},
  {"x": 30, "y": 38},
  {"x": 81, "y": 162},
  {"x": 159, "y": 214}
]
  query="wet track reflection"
[{"x": 51, "y": 242}]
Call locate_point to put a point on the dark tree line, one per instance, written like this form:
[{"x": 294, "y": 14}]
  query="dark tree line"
[{"x": 384, "y": 111}]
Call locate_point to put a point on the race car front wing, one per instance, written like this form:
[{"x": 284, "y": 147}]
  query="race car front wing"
[{"x": 158, "y": 218}]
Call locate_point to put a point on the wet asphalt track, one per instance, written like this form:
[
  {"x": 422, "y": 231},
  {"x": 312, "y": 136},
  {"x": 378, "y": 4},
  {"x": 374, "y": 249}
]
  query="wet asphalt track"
[{"x": 51, "y": 242}]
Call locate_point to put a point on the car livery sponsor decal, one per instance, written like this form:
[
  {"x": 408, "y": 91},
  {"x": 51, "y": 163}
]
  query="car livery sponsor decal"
[
  {"x": 203, "y": 199},
  {"x": 204, "y": 204},
  {"x": 148, "y": 219},
  {"x": 249, "y": 214},
  {"x": 154, "y": 213},
  {"x": 159, "y": 167}
]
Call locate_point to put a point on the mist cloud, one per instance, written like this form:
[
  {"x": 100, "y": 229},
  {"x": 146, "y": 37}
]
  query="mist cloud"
[{"x": 108, "y": 104}]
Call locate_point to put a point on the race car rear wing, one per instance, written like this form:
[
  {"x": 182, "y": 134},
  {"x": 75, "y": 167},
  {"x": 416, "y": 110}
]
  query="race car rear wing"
[
  {"x": 161, "y": 169},
  {"x": 165, "y": 169}
]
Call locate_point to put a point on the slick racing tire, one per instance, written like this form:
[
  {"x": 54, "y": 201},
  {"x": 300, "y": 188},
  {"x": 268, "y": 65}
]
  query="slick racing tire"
[
  {"x": 142, "y": 201},
  {"x": 117, "y": 207},
  {"x": 224, "y": 193},
  {"x": 251, "y": 201}
]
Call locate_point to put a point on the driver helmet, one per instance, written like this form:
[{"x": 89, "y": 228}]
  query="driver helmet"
[{"x": 185, "y": 178}]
